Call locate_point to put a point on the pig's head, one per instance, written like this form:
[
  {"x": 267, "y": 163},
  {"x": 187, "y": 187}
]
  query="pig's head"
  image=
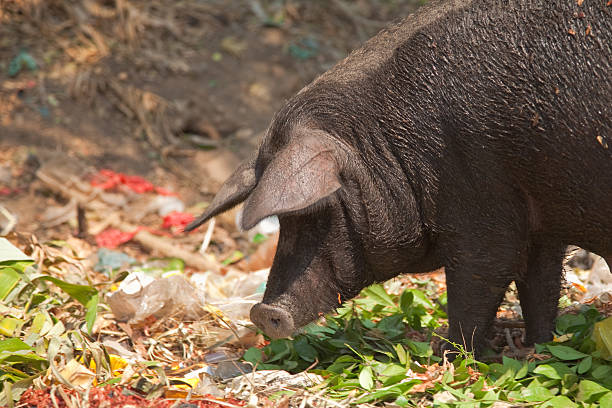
[{"x": 328, "y": 233}]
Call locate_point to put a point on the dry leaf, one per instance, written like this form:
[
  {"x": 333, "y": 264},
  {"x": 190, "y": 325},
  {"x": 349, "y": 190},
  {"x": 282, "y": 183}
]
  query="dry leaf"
[{"x": 77, "y": 374}]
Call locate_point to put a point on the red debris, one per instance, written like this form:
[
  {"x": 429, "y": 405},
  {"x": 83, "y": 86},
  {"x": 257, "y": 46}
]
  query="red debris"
[
  {"x": 117, "y": 397},
  {"x": 6, "y": 191},
  {"x": 108, "y": 179},
  {"x": 112, "y": 238},
  {"x": 137, "y": 184},
  {"x": 162, "y": 191},
  {"x": 177, "y": 219}
]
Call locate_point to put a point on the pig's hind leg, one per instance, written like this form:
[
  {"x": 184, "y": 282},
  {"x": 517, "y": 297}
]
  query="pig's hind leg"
[{"x": 539, "y": 289}]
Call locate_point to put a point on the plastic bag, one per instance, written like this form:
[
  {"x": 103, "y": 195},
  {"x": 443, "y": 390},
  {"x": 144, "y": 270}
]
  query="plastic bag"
[
  {"x": 140, "y": 296},
  {"x": 233, "y": 293}
]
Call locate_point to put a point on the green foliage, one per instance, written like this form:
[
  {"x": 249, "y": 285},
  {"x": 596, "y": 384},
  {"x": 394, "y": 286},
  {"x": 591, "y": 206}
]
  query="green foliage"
[
  {"x": 30, "y": 336},
  {"x": 365, "y": 355}
]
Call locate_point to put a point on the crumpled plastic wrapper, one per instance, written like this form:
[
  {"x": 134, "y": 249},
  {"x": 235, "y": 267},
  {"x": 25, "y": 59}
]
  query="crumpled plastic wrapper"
[
  {"x": 270, "y": 381},
  {"x": 140, "y": 296},
  {"x": 596, "y": 281},
  {"x": 233, "y": 293},
  {"x": 600, "y": 279}
]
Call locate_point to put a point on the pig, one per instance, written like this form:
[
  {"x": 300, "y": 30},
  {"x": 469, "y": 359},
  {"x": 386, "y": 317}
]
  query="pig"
[{"x": 473, "y": 135}]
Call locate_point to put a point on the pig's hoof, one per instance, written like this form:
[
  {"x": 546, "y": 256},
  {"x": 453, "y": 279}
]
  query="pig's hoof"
[
  {"x": 274, "y": 321},
  {"x": 448, "y": 351}
]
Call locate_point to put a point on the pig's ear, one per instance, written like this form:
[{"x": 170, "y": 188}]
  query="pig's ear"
[
  {"x": 234, "y": 191},
  {"x": 304, "y": 172}
]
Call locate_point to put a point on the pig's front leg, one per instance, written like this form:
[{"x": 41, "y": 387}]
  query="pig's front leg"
[
  {"x": 477, "y": 279},
  {"x": 473, "y": 301},
  {"x": 540, "y": 288}
]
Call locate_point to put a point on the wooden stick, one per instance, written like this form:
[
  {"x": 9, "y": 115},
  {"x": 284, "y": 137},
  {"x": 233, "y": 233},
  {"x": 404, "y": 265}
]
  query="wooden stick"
[
  {"x": 148, "y": 240},
  {"x": 162, "y": 245}
]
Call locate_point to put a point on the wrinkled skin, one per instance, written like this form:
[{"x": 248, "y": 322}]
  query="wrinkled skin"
[{"x": 474, "y": 135}]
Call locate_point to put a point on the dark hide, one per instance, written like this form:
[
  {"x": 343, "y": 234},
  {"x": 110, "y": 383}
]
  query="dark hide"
[{"x": 474, "y": 135}]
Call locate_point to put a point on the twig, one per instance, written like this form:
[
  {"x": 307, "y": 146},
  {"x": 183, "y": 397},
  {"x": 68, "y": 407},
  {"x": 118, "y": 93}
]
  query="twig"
[
  {"x": 319, "y": 396},
  {"x": 169, "y": 249},
  {"x": 225, "y": 404},
  {"x": 207, "y": 237},
  {"x": 81, "y": 222},
  {"x": 150, "y": 241},
  {"x": 65, "y": 397},
  {"x": 258, "y": 10},
  {"x": 52, "y": 395}
]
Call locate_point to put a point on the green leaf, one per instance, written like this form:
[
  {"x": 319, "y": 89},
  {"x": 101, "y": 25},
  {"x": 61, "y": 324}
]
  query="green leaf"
[
  {"x": 568, "y": 322},
  {"x": 402, "y": 356},
  {"x": 511, "y": 364},
  {"x": 279, "y": 394},
  {"x": 560, "y": 401},
  {"x": 92, "y": 312},
  {"x": 378, "y": 293},
  {"x": 80, "y": 293},
  {"x": 8, "y": 280},
  {"x": 522, "y": 372},
  {"x": 602, "y": 372},
  {"x": 277, "y": 350},
  {"x": 18, "y": 388},
  {"x": 366, "y": 379},
  {"x": 602, "y": 334},
  {"x": 387, "y": 393},
  {"x": 585, "y": 365},
  {"x": 233, "y": 258},
  {"x": 26, "y": 356},
  {"x": 9, "y": 325},
  {"x": 536, "y": 394},
  {"x": 174, "y": 264},
  {"x": 342, "y": 363},
  {"x": 259, "y": 238},
  {"x": 565, "y": 353},
  {"x": 253, "y": 355},
  {"x": 606, "y": 400},
  {"x": 13, "y": 344},
  {"x": 305, "y": 350},
  {"x": 406, "y": 300},
  {"x": 39, "y": 322},
  {"x": 554, "y": 371},
  {"x": 402, "y": 401},
  {"x": 391, "y": 370},
  {"x": 420, "y": 348},
  {"x": 590, "y": 391},
  {"x": 419, "y": 298}
]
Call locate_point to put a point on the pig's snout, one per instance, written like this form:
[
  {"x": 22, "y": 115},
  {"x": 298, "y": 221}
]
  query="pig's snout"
[{"x": 274, "y": 321}]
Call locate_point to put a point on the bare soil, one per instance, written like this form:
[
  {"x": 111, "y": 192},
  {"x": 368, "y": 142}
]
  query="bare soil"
[{"x": 129, "y": 85}]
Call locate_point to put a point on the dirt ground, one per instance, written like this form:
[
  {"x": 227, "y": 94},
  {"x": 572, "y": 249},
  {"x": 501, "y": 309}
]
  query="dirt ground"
[{"x": 177, "y": 92}]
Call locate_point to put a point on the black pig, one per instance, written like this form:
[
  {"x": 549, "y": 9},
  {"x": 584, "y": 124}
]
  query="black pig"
[{"x": 474, "y": 135}]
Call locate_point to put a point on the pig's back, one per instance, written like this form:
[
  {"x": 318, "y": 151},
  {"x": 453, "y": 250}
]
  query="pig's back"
[
  {"x": 515, "y": 91},
  {"x": 533, "y": 88}
]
